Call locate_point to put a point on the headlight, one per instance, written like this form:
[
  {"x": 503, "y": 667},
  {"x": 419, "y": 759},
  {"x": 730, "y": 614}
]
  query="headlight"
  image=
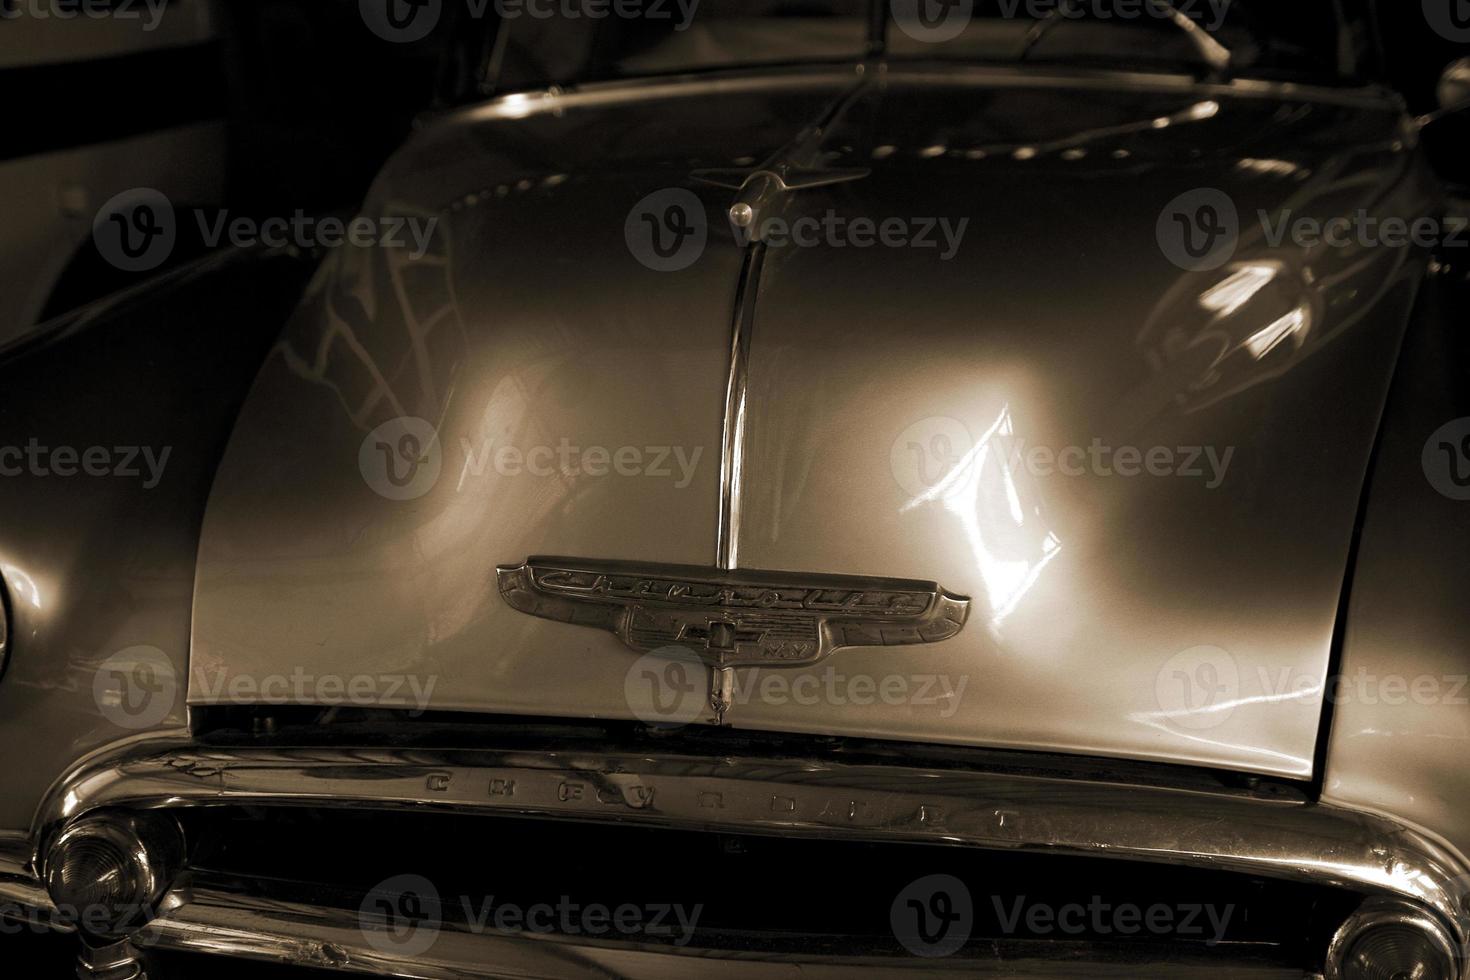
[
  {"x": 1391, "y": 940},
  {"x": 108, "y": 871}
]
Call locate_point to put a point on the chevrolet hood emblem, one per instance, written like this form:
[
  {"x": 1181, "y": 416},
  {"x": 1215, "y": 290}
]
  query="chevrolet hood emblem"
[{"x": 736, "y": 618}]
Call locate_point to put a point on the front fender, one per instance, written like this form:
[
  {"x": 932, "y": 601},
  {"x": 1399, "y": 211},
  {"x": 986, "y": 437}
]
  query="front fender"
[
  {"x": 1400, "y": 735},
  {"x": 112, "y": 421}
]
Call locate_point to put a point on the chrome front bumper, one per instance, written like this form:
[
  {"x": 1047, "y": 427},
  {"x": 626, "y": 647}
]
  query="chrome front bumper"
[
  {"x": 1239, "y": 831},
  {"x": 223, "y": 923}
]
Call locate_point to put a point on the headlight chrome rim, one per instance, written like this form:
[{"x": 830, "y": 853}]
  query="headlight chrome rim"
[
  {"x": 135, "y": 858},
  {"x": 1380, "y": 914}
]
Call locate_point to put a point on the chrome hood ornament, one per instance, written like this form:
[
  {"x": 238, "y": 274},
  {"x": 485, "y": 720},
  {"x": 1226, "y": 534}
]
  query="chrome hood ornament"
[
  {"x": 733, "y": 618},
  {"x": 797, "y": 166}
]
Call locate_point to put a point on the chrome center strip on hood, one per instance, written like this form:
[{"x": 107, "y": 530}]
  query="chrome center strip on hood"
[
  {"x": 727, "y": 547},
  {"x": 765, "y": 188}
]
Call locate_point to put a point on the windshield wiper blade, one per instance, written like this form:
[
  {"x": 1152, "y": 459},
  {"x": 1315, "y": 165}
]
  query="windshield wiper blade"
[{"x": 1211, "y": 51}]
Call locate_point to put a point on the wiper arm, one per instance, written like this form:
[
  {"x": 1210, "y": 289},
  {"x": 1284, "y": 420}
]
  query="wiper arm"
[{"x": 1211, "y": 51}]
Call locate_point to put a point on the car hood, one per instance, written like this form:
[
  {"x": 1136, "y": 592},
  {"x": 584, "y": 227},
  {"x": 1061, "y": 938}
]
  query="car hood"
[{"x": 1024, "y": 396}]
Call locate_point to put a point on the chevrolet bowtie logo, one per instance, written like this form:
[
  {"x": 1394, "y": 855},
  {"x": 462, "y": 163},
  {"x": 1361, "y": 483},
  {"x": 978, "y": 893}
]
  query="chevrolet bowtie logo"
[
  {"x": 736, "y": 618},
  {"x": 722, "y": 637}
]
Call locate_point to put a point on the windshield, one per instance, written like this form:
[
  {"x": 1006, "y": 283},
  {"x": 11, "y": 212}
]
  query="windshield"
[{"x": 547, "y": 42}]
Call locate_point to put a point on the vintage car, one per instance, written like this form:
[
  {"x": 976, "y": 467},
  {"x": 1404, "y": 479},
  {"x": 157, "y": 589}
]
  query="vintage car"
[{"x": 777, "y": 490}]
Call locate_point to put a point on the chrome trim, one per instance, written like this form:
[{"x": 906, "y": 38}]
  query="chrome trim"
[
  {"x": 1214, "y": 54},
  {"x": 555, "y": 99},
  {"x": 591, "y": 95},
  {"x": 951, "y": 74},
  {"x": 229, "y": 924},
  {"x": 20, "y": 889},
  {"x": 4, "y": 626},
  {"x": 733, "y": 619},
  {"x": 114, "y": 961},
  {"x": 1376, "y": 913},
  {"x": 154, "y": 852},
  {"x": 790, "y": 796},
  {"x": 795, "y": 167},
  {"x": 727, "y": 547}
]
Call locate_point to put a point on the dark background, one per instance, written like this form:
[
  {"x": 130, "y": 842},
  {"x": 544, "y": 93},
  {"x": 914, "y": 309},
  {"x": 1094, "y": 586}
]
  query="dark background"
[
  {"x": 315, "y": 102},
  {"x": 318, "y": 101}
]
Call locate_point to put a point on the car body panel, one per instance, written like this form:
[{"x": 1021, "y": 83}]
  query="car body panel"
[
  {"x": 1401, "y": 709},
  {"x": 1056, "y": 323},
  {"x": 100, "y": 568}
]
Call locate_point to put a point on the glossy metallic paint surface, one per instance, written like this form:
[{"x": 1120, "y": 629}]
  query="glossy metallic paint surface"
[
  {"x": 1090, "y": 586},
  {"x": 1400, "y": 739},
  {"x": 529, "y": 325},
  {"x": 95, "y": 566},
  {"x": 1049, "y": 327}
]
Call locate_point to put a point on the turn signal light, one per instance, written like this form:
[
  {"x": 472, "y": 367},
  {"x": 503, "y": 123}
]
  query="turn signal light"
[
  {"x": 1391, "y": 940},
  {"x": 107, "y": 871}
]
